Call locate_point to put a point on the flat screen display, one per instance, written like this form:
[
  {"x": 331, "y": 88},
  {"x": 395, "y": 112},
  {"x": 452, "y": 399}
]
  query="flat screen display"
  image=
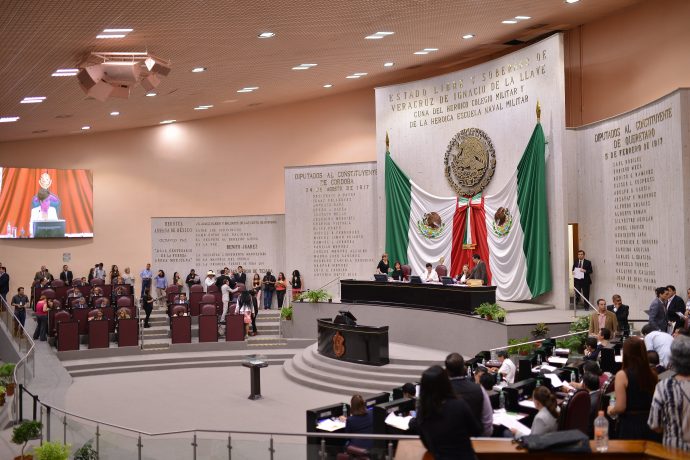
[{"x": 46, "y": 203}]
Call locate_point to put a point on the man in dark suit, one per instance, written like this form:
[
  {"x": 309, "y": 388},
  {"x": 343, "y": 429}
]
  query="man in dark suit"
[
  {"x": 4, "y": 283},
  {"x": 479, "y": 270},
  {"x": 240, "y": 276},
  {"x": 66, "y": 275},
  {"x": 473, "y": 394},
  {"x": 657, "y": 310},
  {"x": 583, "y": 266},
  {"x": 621, "y": 311},
  {"x": 675, "y": 306}
]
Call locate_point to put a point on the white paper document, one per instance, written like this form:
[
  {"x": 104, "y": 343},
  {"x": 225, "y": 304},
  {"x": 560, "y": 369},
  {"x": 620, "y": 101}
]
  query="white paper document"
[
  {"x": 618, "y": 358},
  {"x": 330, "y": 425},
  {"x": 528, "y": 403},
  {"x": 557, "y": 360},
  {"x": 545, "y": 367},
  {"x": 562, "y": 351},
  {"x": 398, "y": 421},
  {"x": 557, "y": 382},
  {"x": 510, "y": 420},
  {"x": 578, "y": 274}
]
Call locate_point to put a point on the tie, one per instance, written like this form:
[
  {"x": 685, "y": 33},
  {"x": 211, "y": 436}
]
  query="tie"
[{"x": 580, "y": 264}]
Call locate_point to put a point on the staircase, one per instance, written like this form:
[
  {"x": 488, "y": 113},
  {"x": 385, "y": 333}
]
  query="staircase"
[
  {"x": 157, "y": 337},
  {"x": 268, "y": 331}
]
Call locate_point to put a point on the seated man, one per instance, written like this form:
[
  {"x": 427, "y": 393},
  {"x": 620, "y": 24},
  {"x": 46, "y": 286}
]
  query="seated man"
[
  {"x": 604, "y": 337},
  {"x": 430, "y": 275},
  {"x": 591, "y": 384},
  {"x": 81, "y": 303},
  {"x": 470, "y": 392},
  {"x": 409, "y": 391},
  {"x": 507, "y": 369},
  {"x": 181, "y": 299},
  {"x": 602, "y": 318},
  {"x": 96, "y": 292},
  {"x": 74, "y": 293},
  {"x": 42, "y": 212}
]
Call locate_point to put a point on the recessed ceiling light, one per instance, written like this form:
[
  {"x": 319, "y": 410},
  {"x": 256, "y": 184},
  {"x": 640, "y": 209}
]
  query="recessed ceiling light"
[
  {"x": 378, "y": 35},
  {"x": 65, "y": 72},
  {"x": 421, "y": 52},
  {"x": 309, "y": 65},
  {"x": 523, "y": 18},
  {"x": 352, "y": 76},
  {"x": 117, "y": 31},
  {"x": 199, "y": 69},
  {"x": 509, "y": 21},
  {"x": 300, "y": 67},
  {"x": 468, "y": 36},
  {"x": 114, "y": 114},
  {"x": 267, "y": 35},
  {"x": 572, "y": 1},
  {"x": 110, "y": 36},
  {"x": 247, "y": 89},
  {"x": 85, "y": 128},
  {"x": 151, "y": 94},
  {"x": 8, "y": 119},
  {"x": 167, "y": 122},
  {"x": 360, "y": 74},
  {"x": 33, "y": 100},
  {"x": 252, "y": 88},
  {"x": 389, "y": 64},
  {"x": 430, "y": 49},
  {"x": 385, "y": 33},
  {"x": 328, "y": 85},
  {"x": 203, "y": 107}
]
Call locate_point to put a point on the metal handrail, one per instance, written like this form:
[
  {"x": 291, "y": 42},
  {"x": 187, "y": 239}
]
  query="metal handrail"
[
  {"x": 538, "y": 340},
  {"x": 585, "y": 299}
]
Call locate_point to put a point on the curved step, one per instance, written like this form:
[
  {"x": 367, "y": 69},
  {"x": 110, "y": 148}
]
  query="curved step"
[
  {"x": 295, "y": 376},
  {"x": 406, "y": 374},
  {"x": 414, "y": 370}
]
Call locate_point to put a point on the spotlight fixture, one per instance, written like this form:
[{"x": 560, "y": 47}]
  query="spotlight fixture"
[
  {"x": 328, "y": 85},
  {"x": 114, "y": 74},
  {"x": 468, "y": 36},
  {"x": 267, "y": 35},
  {"x": 114, "y": 114},
  {"x": 85, "y": 128}
]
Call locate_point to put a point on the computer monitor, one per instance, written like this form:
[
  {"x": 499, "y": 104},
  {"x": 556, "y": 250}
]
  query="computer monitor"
[
  {"x": 447, "y": 280},
  {"x": 381, "y": 277},
  {"x": 414, "y": 279},
  {"x": 49, "y": 229}
]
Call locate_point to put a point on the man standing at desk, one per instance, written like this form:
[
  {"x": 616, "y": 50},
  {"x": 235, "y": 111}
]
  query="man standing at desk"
[{"x": 479, "y": 270}]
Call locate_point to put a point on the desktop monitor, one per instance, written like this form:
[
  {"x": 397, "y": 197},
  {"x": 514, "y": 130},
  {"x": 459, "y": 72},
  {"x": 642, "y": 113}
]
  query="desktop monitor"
[
  {"x": 380, "y": 277},
  {"x": 414, "y": 279},
  {"x": 447, "y": 280}
]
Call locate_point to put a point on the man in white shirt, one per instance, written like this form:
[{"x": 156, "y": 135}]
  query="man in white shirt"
[
  {"x": 507, "y": 368},
  {"x": 430, "y": 276},
  {"x": 210, "y": 280},
  {"x": 658, "y": 341}
]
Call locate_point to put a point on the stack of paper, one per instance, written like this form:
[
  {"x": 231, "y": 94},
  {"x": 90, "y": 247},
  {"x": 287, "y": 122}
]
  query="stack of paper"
[
  {"x": 510, "y": 420},
  {"x": 557, "y": 360},
  {"x": 528, "y": 403},
  {"x": 557, "y": 383},
  {"x": 399, "y": 422},
  {"x": 330, "y": 425}
]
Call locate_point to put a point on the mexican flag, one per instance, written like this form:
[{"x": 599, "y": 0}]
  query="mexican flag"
[{"x": 509, "y": 229}]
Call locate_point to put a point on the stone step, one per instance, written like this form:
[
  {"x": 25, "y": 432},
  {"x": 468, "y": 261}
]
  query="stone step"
[
  {"x": 347, "y": 391},
  {"x": 395, "y": 367},
  {"x": 394, "y": 372}
]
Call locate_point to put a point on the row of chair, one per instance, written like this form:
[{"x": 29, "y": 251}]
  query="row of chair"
[{"x": 69, "y": 326}]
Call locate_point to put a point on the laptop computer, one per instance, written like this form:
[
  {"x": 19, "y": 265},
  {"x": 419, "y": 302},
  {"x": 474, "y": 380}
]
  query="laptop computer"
[
  {"x": 447, "y": 280},
  {"x": 381, "y": 277},
  {"x": 414, "y": 279}
]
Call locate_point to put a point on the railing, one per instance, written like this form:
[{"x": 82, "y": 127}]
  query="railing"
[
  {"x": 583, "y": 298},
  {"x": 112, "y": 441},
  {"x": 538, "y": 340},
  {"x": 25, "y": 369}
]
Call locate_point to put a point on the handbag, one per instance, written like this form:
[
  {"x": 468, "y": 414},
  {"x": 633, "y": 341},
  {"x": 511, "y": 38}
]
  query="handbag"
[{"x": 569, "y": 441}]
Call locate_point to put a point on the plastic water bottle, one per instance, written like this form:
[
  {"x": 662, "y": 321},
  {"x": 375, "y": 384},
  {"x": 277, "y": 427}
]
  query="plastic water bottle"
[
  {"x": 538, "y": 382},
  {"x": 612, "y": 403},
  {"x": 9, "y": 229},
  {"x": 572, "y": 376},
  {"x": 501, "y": 400},
  {"x": 390, "y": 397},
  {"x": 344, "y": 410},
  {"x": 601, "y": 432},
  {"x": 539, "y": 359}
]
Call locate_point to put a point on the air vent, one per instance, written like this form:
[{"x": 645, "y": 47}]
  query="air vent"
[
  {"x": 39, "y": 131},
  {"x": 64, "y": 115},
  {"x": 514, "y": 42}
]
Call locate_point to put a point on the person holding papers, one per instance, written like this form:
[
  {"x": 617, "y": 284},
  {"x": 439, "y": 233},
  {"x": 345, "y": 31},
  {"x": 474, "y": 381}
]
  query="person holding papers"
[
  {"x": 582, "y": 279},
  {"x": 360, "y": 421},
  {"x": 546, "y": 420},
  {"x": 430, "y": 275}
]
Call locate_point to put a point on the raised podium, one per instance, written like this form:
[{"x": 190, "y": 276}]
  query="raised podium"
[{"x": 341, "y": 338}]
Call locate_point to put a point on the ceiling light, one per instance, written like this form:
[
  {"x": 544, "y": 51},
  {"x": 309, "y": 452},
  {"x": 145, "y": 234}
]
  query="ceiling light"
[
  {"x": 572, "y": 1},
  {"x": 360, "y": 74},
  {"x": 309, "y": 65},
  {"x": 509, "y": 21},
  {"x": 85, "y": 128},
  {"x": 199, "y": 69},
  {"x": 352, "y": 76},
  {"x": 373, "y": 37},
  {"x": 8, "y": 119},
  {"x": 328, "y": 85},
  {"x": 114, "y": 114},
  {"x": 116, "y": 31},
  {"x": 244, "y": 90},
  {"x": 151, "y": 94},
  {"x": 65, "y": 72},
  {"x": 167, "y": 122},
  {"x": 385, "y": 33},
  {"x": 522, "y": 18},
  {"x": 33, "y": 100},
  {"x": 251, "y": 88},
  {"x": 389, "y": 64},
  {"x": 300, "y": 67},
  {"x": 267, "y": 35},
  {"x": 421, "y": 52},
  {"x": 203, "y": 107},
  {"x": 468, "y": 36},
  {"x": 430, "y": 49},
  {"x": 110, "y": 36},
  {"x": 121, "y": 53}
]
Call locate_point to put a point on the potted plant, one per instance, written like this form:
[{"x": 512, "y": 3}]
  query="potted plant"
[
  {"x": 286, "y": 312},
  {"x": 3, "y": 390},
  {"x": 575, "y": 343},
  {"x": 484, "y": 310},
  {"x": 86, "y": 452},
  {"x": 6, "y": 377},
  {"x": 540, "y": 331},
  {"x": 25, "y": 432},
  {"x": 522, "y": 350},
  {"x": 52, "y": 451},
  {"x": 317, "y": 295},
  {"x": 501, "y": 314}
]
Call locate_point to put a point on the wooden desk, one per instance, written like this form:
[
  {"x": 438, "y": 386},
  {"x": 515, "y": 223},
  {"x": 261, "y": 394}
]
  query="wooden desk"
[{"x": 487, "y": 449}]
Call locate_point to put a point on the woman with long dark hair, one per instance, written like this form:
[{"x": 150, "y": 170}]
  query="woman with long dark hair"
[
  {"x": 147, "y": 304},
  {"x": 296, "y": 283},
  {"x": 546, "y": 420},
  {"x": 114, "y": 273},
  {"x": 443, "y": 422},
  {"x": 397, "y": 273},
  {"x": 634, "y": 389},
  {"x": 281, "y": 289}
]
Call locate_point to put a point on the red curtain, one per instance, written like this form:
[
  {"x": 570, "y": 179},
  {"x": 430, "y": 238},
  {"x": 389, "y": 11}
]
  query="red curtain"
[
  {"x": 460, "y": 256},
  {"x": 73, "y": 187}
]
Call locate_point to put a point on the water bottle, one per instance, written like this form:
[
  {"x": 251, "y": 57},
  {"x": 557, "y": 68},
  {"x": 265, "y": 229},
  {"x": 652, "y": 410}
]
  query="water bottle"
[
  {"x": 601, "y": 432},
  {"x": 612, "y": 403},
  {"x": 501, "y": 400},
  {"x": 9, "y": 229},
  {"x": 344, "y": 410},
  {"x": 572, "y": 376},
  {"x": 390, "y": 397},
  {"x": 539, "y": 359},
  {"x": 538, "y": 382}
]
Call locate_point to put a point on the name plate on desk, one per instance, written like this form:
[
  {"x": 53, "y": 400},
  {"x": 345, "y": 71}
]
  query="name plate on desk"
[{"x": 357, "y": 344}]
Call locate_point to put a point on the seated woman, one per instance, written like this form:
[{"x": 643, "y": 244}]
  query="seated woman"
[
  {"x": 397, "y": 273},
  {"x": 592, "y": 349},
  {"x": 96, "y": 291},
  {"x": 122, "y": 313},
  {"x": 360, "y": 421},
  {"x": 42, "y": 212},
  {"x": 444, "y": 423},
  {"x": 546, "y": 420},
  {"x": 464, "y": 275},
  {"x": 97, "y": 317}
]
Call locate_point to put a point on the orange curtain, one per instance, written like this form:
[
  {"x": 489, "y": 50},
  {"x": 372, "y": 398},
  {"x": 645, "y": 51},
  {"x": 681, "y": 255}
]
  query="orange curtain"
[{"x": 73, "y": 187}]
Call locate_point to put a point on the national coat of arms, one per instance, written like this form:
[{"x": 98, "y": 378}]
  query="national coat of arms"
[
  {"x": 470, "y": 161},
  {"x": 431, "y": 225},
  {"x": 338, "y": 345},
  {"x": 503, "y": 221}
]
